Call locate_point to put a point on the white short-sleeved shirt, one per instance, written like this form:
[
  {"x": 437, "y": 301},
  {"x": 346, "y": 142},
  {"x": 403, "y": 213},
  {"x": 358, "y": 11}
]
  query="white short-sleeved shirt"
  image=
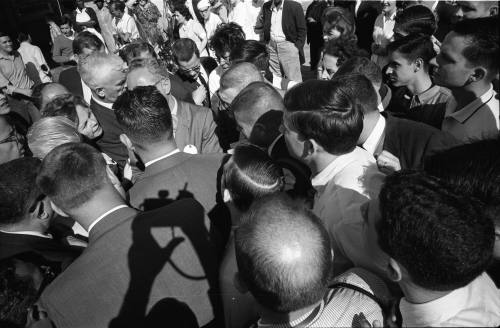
[
  {"x": 126, "y": 25},
  {"x": 193, "y": 30}
]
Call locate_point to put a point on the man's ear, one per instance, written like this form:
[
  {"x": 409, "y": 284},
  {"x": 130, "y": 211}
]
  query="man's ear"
[
  {"x": 394, "y": 270},
  {"x": 493, "y": 10},
  {"x": 238, "y": 282},
  {"x": 58, "y": 210},
  {"x": 126, "y": 141},
  {"x": 418, "y": 65},
  {"x": 478, "y": 74},
  {"x": 100, "y": 92},
  {"x": 311, "y": 147},
  {"x": 226, "y": 195}
]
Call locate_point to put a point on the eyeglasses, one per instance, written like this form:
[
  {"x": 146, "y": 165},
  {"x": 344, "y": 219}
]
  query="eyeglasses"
[
  {"x": 223, "y": 105},
  {"x": 194, "y": 69}
]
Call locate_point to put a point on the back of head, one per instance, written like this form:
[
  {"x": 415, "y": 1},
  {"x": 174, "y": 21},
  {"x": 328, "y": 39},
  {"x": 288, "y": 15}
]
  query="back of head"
[
  {"x": 324, "y": 111},
  {"x": 72, "y": 174},
  {"x": 184, "y": 49},
  {"x": 251, "y": 51},
  {"x": 239, "y": 76},
  {"x": 22, "y": 36},
  {"x": 94, "y": 67},
  {"x": 255, "y": 100},
  {"x": 441, "y": 238},
  {"x": 144, "y": 116},
  {"x": 18, "y": 191},
  {"x": 63, "y": 105},
  {"x": 471, "y": 169},
  {"x": 36, "y": 94},
  {"x": 46, "y": 92},
  {"x": 481, "y": 35},
  {"x": 251, "y": 174},
  {"x": 86, "y": 42},
  {"x": 50, "y": 132},
  {"x": 343, "y": 50},
  {"x": 137, "y": 49},
  {"x": 283, "y": 254},
  {"x": 413, "y": 47},
  {"x": 361, "y": 92},
  {"x": 227, "y": 36},
  {"x": 417, "y": 19},
  {"x": 363, "y": 66}
]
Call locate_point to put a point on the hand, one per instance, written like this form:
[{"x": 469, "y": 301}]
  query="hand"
[
  {"x": 10, "y": 89},
  {"x": 37, "y": 318},
  {"x": 388, "y": 163},
  {"x": 360, "y": 321},
  {"x": 311, "y": 20},
  {"x": 199, "y": 95}
]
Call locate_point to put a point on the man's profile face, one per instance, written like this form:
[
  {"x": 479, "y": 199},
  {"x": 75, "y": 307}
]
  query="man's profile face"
[
  {"x": 190, "y": 68},
  {"x": 6, "y": 44},
  {"x": 329, "y": 67},
  {"x": 294, "y": 142},
  {"x": 453, "y": 69},
  {"x": 474, "y": 9},
  {"x": 401, "y": 71},
  {"x": 205, "y": 13},
  {"x": 87, "y": 123}
]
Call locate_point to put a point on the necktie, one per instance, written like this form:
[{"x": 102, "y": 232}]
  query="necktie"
[{"x": 206, "y": 102}]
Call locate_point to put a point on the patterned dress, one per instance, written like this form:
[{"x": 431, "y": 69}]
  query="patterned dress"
[{"x": 147, "y": 18}]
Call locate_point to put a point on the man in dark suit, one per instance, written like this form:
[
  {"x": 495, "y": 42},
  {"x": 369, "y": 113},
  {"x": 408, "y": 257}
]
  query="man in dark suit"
[
  {"x": 194, "y": 125},
  {"x": 285, "y": 32},
  {"x": 106, "y": 76},
  {"x": 366, "y": 13},
  {"x": 146, "y": 121},
  {"x": 258, "y": 111},
  {"x": 139, "y": 269},
  {"x": 193, "y": 71},
  {"x": 26, "y": 216},
  {"x": 396, "y": 143},
  {"x": 84, "y": 44}
]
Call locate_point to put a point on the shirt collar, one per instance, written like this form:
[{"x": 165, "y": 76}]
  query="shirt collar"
[
  {"x": 103, "y": 104},
  {"x": 470, "y": 109},
  {"x": 114, "y": 209},
  {"x": 432, "y": 313},
  {"x": 425, "y": 96},
  {"x": 9, "y": 57},
  {"x": 30, "y": 233},
  {"x": 274, "y": 8},
  {"x": 323, "y": 177},
  {"x": 374, "y": 138},
  {"x": 161, "y": 157}
]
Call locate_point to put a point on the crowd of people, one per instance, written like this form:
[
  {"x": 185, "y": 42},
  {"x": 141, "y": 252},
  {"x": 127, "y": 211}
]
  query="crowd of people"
[{"x": 175, "y": 164}]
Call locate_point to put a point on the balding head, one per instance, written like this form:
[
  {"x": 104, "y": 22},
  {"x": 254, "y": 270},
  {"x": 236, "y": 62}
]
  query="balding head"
[
  {"x": 105, "y": 75},
  {"x": 49, "y": 92},
  {"x": 258, "y": 99},
  {"x": 236, "y": 79},
  {"x": 147, "y": 71},
  {"x": 283, "y": 254}
]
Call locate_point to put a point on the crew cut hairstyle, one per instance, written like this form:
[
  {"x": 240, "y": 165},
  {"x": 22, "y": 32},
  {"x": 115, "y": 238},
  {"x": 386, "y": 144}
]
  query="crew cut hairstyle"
[
  {"x": 417, "y": 19},
  {"x": 227, "y": 37},
  {"x": 441, "y": 238},
  {"x": 482, "y": 39},
  {"x": 363, "y": 66},
  {"x": 324, "y": 112},
  {"x": 271, "y": 226},
  {"x": 251, "y": 174},
  {"x": 18, "y": 191},
  {"x": 71, "y": 174},
  {"x": 413, "y": 47},
  {"x": 184, "y": 49},
  {"x": 144, "y": 115},
  {"x": 361, "y": 92}
]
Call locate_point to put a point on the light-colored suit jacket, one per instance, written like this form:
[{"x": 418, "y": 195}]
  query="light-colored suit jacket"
[
  {"x": 196, "y": 126},
  {"x": 135, "y": 264}
]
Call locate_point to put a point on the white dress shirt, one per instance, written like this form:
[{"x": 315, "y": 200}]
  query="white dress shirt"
[
  {"x": 126, "y": 24},
  {"x": 476, "y": 121},
  {"x": 33, "y": 54},
  {"x": 277, "y": 33},
  {"x": 475, "y": 305},
  {"x": 371, "y": 143}
]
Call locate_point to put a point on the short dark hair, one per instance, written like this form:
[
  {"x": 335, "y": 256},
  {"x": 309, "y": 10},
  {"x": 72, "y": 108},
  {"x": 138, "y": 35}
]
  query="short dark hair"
[
  {"x": 257, "y": 97},
  {"x": 471, "y": 169},
  {"x": 227, "y": 37},
  {"x": 184, "y": 49},
  {"x": 271, "y": 226},
  {"x": 251, "y": 174},
  {"x": 441, "y": 238},
  {"x": 144, "y": 115},
  {"x": 413, "y": 47},
  {"x": 18, "y": 192},
  {"x": 120, "y": 5},
  {"x": 3, "y": 34},
  {"x": 22, "y": 36},
  {"x": 482, "y": 40},
  {"x": 323, "y": 111},
  {"x": 343, "y": 50},
  {"x": 416, "y": 19},
  {"x": 360, "y": 65},
  {"x": 86, "y": 40},
  {"x": 251, "y": 51},
  {"x": 361, "y": 92},
  {"x": 71, "y": 174},
  {"x": 344, "y": 21},
  {"x": 65, "y": 19},
  {"x": 64, "y": 105},
  {"x": 133, "y": 50},
  {"x": 183, "y": 10}
]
